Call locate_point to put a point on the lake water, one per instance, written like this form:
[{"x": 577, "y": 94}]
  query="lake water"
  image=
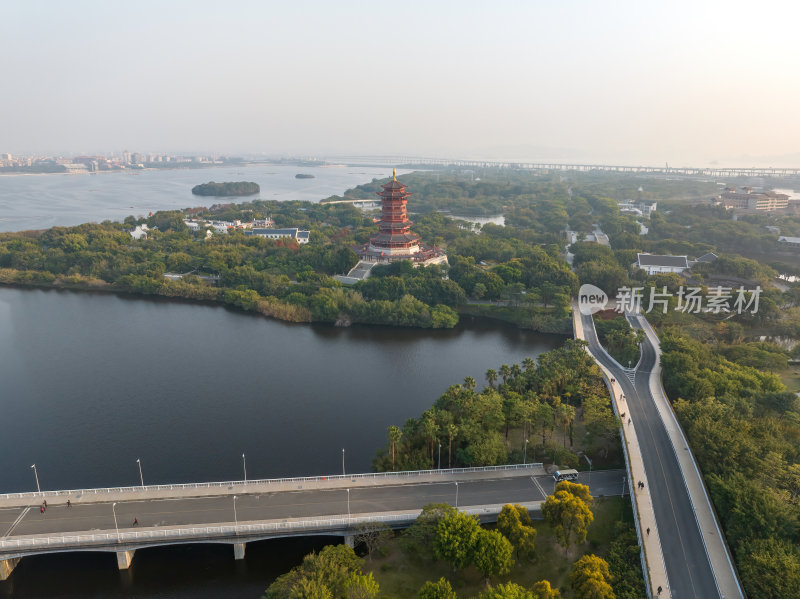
[
  {"x": 47, "y": 200},
  {"x": 91, "y": 382}
]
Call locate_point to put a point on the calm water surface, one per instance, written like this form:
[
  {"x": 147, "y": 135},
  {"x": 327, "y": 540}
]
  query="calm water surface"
[
  {"x": 92, "y": 382},
  {"x": 48, "y": 200}
]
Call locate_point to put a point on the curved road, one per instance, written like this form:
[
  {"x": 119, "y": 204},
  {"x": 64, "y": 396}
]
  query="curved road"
[{"x": 688, "y": 568}]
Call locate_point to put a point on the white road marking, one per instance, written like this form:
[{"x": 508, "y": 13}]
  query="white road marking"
[
  {"x": 538, "y": 486},
  {"x": 17, "y": 521}
]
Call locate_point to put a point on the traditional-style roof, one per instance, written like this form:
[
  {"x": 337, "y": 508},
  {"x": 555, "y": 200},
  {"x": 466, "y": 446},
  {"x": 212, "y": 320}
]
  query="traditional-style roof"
[
  {"x": 709, "y": 257},
  {"x": 662, "y": 260}
]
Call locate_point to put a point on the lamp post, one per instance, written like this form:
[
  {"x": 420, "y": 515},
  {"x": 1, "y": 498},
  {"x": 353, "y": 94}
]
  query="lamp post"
[
  {"x": 456, "y": 494},
  {"x": 141, "y": 478},
  {"x": 348, "y": 504},
  {"x": 116, "y": 526},
  {"x": 36, "y": 474},
  {"x": 440, "y": 456},
  {"x": 343, "y": 471},
  {"x": 244, "y": 467},
  {"x": 235, "y": 517},
  {"x": 525, "y": 453},
  {"x": 588, "y": 461}
]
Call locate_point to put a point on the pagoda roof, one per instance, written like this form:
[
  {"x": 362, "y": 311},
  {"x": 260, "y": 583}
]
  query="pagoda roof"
[{"x": 394, "y": 184}]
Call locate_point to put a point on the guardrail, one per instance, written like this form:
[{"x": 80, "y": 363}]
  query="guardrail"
[
  {"x": 118, "y": 541},
  {"x": 238, "y": 484}
]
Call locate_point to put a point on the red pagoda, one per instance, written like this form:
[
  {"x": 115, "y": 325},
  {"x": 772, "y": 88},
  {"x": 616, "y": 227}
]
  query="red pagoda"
[{"x": 394, "y": 240}]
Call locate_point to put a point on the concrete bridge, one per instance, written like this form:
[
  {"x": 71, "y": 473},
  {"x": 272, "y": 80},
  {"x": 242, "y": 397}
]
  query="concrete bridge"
[
  {"x": 122, "y": 520},
  {"x": 666, "y": 170}
]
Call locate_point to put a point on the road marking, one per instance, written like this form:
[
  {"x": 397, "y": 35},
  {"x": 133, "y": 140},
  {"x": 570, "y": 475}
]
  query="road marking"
[
  {"x": 17, "y": 521},
  {"x": 538, "y": 486}
]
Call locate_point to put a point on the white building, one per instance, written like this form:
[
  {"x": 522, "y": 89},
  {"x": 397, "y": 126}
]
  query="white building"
[
  {"x": 655, "y": 263},
  {"x": 140, "y": 232},
  {"x": 299, "y": 236}
]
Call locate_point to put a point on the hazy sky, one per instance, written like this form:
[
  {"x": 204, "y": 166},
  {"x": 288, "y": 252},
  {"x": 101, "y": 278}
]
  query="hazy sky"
[{"x": 632, "y": 82}]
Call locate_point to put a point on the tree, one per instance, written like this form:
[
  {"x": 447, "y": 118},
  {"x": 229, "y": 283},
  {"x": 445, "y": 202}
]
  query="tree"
[
  {"x": 491, "y": 377},
  {"x": 361, "y": 586},
  {"x": 395, "y": 434},
  {"x": 543, "y": 590},
  {"x": 569, "y": 516},
  {"x": 510, "y": 590},
  {"x": 373, "y": 535},
  {"x": 333, "y": 572},
  {"x": 771, "y": 568},
  {"x": 492, "y": 554},
  {"x": 565, "y": 414},
  {"x": 514, "y": 523},
  {"x": 452, "y": 431},
  {"x": 418, "y": 539},
  {"x": 590, "y": 578},
  {"x": 576, "y": 489},
  {"x": 455, "y": 538},
  {"x": 437, "y": 590},
  {"x": 505, "y": 372}
]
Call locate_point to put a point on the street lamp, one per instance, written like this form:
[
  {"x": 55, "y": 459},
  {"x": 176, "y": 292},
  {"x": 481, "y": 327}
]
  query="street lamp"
[
  {"x": 456, "y": 494},
  {"x": 588, "y": 461},
  {"x": 116, "y": 526},
  {"x": 348, "y": 504},
  {"x": 244, "y": 467},
  {"x": 235, "y": 518},
  {"x": 440, "y": 456},
  {"x": 36, "y": 474},
  {"x": 141, "y": 478},
  {"x": 343, "y": 472},
  {"x": 525, "y": 453}
]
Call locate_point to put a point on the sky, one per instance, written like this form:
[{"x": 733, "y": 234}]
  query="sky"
[{"x": 625, "y": 82}]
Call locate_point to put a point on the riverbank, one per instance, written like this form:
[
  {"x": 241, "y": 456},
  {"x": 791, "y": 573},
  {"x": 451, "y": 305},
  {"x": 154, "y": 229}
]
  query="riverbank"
[{"x": 534, "y": 319}]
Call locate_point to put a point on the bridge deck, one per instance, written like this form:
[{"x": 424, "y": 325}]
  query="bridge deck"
[{"x": 27, "y": 531}]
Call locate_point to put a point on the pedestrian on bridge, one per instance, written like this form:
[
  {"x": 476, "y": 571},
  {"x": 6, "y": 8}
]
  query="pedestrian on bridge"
[
  {"x": 41, "y": 509},
  {"x": 136, "y": 521}
]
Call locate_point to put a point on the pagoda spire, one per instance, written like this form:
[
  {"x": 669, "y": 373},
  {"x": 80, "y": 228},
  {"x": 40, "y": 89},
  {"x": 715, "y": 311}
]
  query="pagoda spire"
[{"x": 394, "y": 174}]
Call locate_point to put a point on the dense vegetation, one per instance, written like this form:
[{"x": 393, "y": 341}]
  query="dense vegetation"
[
  {"x": 541, "y": 402},
  {"x": 229, "y": 188},
  {"x": 744, "y": 428},
  {"x": 447, "y": 554}
]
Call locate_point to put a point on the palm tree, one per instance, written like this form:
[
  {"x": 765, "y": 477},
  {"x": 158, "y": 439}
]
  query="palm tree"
[
  {"x": 430, "y": 429},
  {"x": 491, "y": 377},
  {"x": 504, "y": 372},
  {"x": 565, "y": 415},
  {"x": 528, "y": 364},
  {"x": 452, "y": 431},
  {"x": 395, "y": 434},
  {"x": 469, "y": 383}
]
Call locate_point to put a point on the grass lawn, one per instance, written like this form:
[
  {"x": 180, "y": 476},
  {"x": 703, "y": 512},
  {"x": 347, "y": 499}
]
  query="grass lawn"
[{"x": 400, "y": 576}]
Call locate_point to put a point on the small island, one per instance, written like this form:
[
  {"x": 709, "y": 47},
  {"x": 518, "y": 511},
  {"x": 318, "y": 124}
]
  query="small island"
[
  {"x": 303, "y": 176},
  {"x": 230, "y": 188}
]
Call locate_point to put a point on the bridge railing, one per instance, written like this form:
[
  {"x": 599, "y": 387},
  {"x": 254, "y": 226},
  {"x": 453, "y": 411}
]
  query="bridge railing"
[
  {"x": 223, "y": 533},
  {"x": 243, "y": 484}
]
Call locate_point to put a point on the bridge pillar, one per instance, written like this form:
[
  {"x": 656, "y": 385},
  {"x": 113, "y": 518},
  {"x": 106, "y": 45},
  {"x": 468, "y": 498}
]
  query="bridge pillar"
[
  {"x": 238, "y": 550},
  {"x": 124, "y": 559},
  {"x": 350, "y": 541},
  {"x": 7, "y": 567}
]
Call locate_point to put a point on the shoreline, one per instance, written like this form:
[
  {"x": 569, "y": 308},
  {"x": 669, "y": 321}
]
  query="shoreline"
[{"x": 182, "y": 299}]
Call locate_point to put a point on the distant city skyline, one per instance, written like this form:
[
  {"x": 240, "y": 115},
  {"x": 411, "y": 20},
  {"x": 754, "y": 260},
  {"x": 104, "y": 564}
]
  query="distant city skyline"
[{"x": 683, "y": 83}]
